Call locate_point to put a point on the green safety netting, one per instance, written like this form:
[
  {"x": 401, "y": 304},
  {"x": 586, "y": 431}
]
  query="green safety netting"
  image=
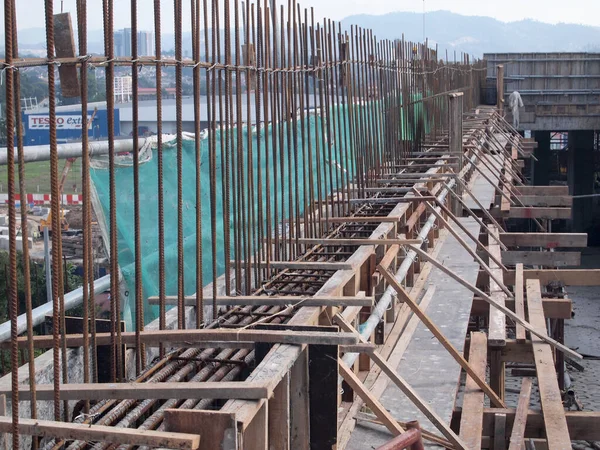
[
  {"x": 148, "y": 194},
  {"x": 336, "y": 155}
]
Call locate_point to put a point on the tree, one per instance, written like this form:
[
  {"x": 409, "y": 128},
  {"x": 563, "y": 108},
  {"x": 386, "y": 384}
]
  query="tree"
[{"x": 37, "y": 277}]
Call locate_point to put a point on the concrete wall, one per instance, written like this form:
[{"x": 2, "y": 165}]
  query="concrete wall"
[{"x": 561, "y": 91}]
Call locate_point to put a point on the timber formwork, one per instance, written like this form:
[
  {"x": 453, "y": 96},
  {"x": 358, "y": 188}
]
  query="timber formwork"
[{"x": 319, "y": 299}]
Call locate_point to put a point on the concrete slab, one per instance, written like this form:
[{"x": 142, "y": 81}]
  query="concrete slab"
[{"x": 426, "y": 365}]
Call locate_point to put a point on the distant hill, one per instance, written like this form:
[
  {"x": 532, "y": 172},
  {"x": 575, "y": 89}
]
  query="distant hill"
[
  {"x": 478, "y": 35},
  {"x": 469, "y": 34}
]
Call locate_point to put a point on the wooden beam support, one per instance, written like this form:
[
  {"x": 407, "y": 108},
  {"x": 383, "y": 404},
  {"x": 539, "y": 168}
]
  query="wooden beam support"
[
  {"x": 497, "y": 319},
  {"x": 547, "y": 240},
  {"x": 142, "y": 391},
  {"x": 533, "y": 212},
  {"x": 373, "y": 403},
  {"x": 520, "y": 303},
  {"x": 546, "y": 259},
  {"x": 357, "y": 241},
  {"x": 569, "y": 277},
  {"x": 554, "y": 308},
  {"x": 582, "y": 425},
  {"x": 192, "y": 337},
  {"x": 261, "y": 300},
  {"x": 546, "y": 200},
  {"x": 471, "y": 421},
  {"x": 440, "y": 337},
  {"x": 544, "y": 190},
  {"x": 557, "y": 432},
  {"x": 495, "y": 237},
  {"x": 517, "y": 437},
  {"x": 217, "y": 429},
  {"x": 363, "y": 219},
  {"x": 114, "y": 435},
  {"x": 541, "y": 334},
  {"x": 332, "y": 266}
]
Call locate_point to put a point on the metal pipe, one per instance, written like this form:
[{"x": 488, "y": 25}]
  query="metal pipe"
[
  {"x": 71, "y": 150},
  {"x": 72, "y": 299}
]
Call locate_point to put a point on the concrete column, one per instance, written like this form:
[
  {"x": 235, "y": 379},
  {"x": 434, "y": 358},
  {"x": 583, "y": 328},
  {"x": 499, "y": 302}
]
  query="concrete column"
[
  {"x": 541, "y": 167},
  {"x": 580, "y": 176}
]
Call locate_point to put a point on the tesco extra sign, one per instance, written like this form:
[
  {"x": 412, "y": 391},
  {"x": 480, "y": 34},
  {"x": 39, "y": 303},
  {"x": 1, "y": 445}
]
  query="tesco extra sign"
[{"x": 63, "y": 122}]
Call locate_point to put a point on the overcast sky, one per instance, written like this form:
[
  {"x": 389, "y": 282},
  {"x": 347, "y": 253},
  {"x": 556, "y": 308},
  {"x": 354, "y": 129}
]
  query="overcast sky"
[{"x": 31, "y": 12}]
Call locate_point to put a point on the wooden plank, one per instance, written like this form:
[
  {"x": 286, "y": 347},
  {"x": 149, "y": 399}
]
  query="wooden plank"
[
  {"x": 343, "y": 242},
  {"x": 114, "y": 435},
  {"x": 534, "y": 212},
  {"x": 520, "y": 303},
  {"x": 299, "y": 403},
  {"x": 64, "y": 46},
  {"x": 279, "y": 415},
  {"x": 440, "y": 337},
  {"x": 390, "y": 255},
  {"x": 421, "y": 404},
  {"x": 544, "y": 190},
  {"x": 557, "y": 432},
  {"x": 255, "y": 435},
  {"x": 261, "y": 300},
  {"x": 554, "y": 308},
  {"x": 547, "y": 259},
  {"x": 517, "y": 437},
  {"x": 204, "y": 336},
  {"x": 497, "y": 319},
  {"x": 141, "y": 391},
  {"x": 545, "y": 200},
  {"x": 363, "y": 219},
  {"x": 375, "y": 405},
  {"x": 471, "y": 421},
  {"x": 547, "y": 240},
  {"x": 332, "y": 266},
  {"x": 504, "y": 202},
  {"x": 217, "y": 429},
  {"x": 569, "y": 277},
  {"x": 583, "y": 425},
  {"x": 504, "y": 309}
]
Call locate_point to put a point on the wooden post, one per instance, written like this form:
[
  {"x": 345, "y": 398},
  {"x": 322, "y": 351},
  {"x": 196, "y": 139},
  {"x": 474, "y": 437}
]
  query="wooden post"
[
  {"x": 455, "y": 135},
  {"x": 500, "y": 89},
  {"x": 299, "y": 403},
  {"x": 255, "y": 436},
  {"x": 216, "y": 429},
  {"x": 279, "y": 415}
]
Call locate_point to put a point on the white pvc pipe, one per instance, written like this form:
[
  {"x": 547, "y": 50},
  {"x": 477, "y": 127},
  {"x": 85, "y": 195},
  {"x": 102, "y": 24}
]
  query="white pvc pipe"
[
  {"x": 386, "y": 299},
  {"x": 72, "y": 150},
  {"x": 72, "y": 299}
]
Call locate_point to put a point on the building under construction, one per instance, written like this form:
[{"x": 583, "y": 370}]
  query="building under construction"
[{"x": 347, "y": 251}]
